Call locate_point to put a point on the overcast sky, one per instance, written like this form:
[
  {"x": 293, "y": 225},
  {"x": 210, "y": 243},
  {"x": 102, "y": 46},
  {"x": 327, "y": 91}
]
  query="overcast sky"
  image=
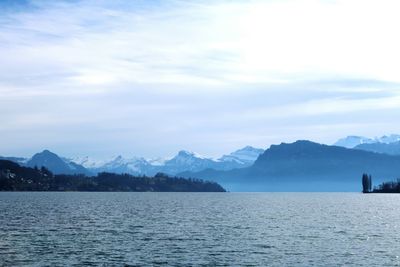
[{"x": 149, "y": 78}]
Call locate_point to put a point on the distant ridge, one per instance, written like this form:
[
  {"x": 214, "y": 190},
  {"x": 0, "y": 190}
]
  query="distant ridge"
[
  {"x": 182, "y": 161},
  {"x": 299, "y": 166},
  {"x": 245, "y": 156},
  {"x": 306, "y": 166},
  {"x": 390, "y": 149},
  {"x": 352, "y": 141}
]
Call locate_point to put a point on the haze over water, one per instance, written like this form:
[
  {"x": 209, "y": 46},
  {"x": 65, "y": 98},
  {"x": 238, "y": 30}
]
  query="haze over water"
[{"x": 199, "y": 229}]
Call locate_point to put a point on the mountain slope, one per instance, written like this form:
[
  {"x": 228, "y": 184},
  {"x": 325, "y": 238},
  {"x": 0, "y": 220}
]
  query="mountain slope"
[
  {"x": 389, "y": 139},
  {"x": 19, "y": 160},
  {"x": 243, "y": 157},
  {"x": 352, "y": 141},
  {"x": 55, "y": 164},
  {"x": 306, "y": 166},
  {"x": 187, "y": 161},
  {"x": 134, "y": 166},
  {"x": 390, "y": 149},
  {"x": 87, "y": 162}
]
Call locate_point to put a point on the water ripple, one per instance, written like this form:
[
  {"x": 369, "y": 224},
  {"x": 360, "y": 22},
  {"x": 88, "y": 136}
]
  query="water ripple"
[{"x": 201, "y": 229}]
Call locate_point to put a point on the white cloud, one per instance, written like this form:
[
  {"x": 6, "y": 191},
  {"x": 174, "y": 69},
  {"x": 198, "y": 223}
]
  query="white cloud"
[
  {"x": 192, "y": 74},
  {"x": 258, "y": 41}
]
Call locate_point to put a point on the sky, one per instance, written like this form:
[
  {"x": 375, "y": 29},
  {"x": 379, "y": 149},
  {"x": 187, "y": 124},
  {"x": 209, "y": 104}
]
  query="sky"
[{"x": 149, "y": 78}]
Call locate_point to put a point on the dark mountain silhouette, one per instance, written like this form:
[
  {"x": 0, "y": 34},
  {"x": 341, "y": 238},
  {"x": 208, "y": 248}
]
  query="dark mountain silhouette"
[
  {"x": 55, "y": 164},
  {"x": 390, "y": 149},
  {"x": 19, "y": 160},
  {"x": 306, "y": 166}
]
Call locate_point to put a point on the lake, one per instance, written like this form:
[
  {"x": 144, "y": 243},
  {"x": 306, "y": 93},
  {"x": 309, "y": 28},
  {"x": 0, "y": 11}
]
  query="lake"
[{"x": 199, "y": 229}]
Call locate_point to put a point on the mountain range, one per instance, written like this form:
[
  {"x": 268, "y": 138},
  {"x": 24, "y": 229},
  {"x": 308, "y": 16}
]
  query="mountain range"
[
  {"x": 183, "y": 161},
  {"x": 390, "y": 149},
  {"x": 306, "y": 166},
  {"x": 387, "y": 144},
  {"x": 352, "y": 141},
  {"x": 299, "y": 166}
]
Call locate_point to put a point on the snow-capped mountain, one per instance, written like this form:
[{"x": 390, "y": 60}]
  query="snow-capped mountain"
[
  {"x": 121, "y": 165},
  {"x": 88, "y": 162},
  {"x": 245, "y": 156},
  {"x": 388, "y": 139},
  {"x": 157, "y": 161},
  {"x": 183, "y": 161},
  {"x": 353, "y": 141},
  {"x": 383, "y": 148},
  {"x": 189, "y": 161},
  {"x": 186, "y": 160}
]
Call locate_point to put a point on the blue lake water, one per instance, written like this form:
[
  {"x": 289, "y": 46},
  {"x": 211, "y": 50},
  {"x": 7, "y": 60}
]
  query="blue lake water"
[{"x": 199, "y": 229}]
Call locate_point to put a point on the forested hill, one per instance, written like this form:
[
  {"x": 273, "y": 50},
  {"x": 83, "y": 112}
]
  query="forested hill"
[
  {"x": 306, "y": 166},
  {"x": 17, "y": 178}
]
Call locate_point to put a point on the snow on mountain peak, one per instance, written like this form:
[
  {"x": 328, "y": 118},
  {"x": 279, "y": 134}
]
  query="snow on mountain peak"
[
  {"x": 245, "y": 155},
  {"x": 387, "y": 139},
  {"x": 353, "y": 141},
  {"x": 184, "y": 160},
  {"x": 157, "y": 161},
  {"x": 189, "y": 154},
  {"x": 185, "y": 153},
  {"x": 87, "y": 162}
]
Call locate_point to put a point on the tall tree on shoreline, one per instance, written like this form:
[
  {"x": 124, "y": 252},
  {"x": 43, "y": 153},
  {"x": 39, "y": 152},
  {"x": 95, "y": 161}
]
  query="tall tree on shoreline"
[{"x": 366, "y": 183}]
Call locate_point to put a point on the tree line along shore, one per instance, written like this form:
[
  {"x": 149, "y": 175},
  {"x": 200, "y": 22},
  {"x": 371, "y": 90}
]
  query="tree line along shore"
[
  {"x": 385, "y": 187},
  {"x": 14, "y": 177}
]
